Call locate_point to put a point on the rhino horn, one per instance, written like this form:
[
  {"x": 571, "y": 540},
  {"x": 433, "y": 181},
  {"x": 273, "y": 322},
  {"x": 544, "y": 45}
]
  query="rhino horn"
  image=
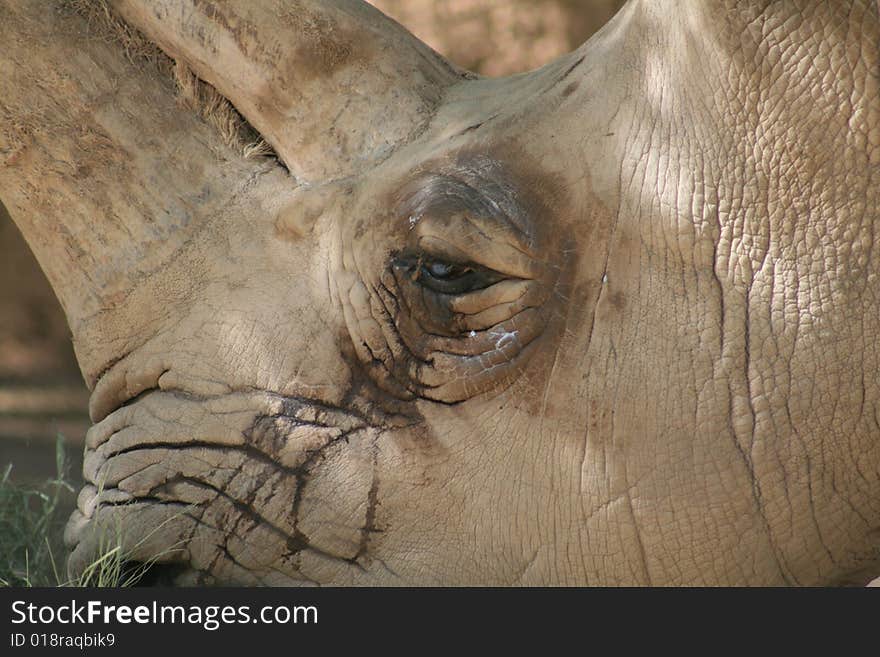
[{"x": 332, "y": 86}]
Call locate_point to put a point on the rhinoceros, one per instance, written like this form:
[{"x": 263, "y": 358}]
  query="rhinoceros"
[{"x": 352, "y": 315}]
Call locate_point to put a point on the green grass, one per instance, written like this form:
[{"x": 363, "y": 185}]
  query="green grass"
[
  {"x": 32, "y": 552},
  {"x": 31, "y": 527}
]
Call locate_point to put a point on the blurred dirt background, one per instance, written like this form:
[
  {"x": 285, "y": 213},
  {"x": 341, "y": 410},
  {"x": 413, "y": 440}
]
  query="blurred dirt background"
[
  {"x": 501, "y": 37},
  {"x": 41, "y": 390}
]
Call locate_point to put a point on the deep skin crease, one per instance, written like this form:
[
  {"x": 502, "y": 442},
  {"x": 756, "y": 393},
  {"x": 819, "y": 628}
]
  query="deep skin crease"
[{"x": 610, "y": 322}]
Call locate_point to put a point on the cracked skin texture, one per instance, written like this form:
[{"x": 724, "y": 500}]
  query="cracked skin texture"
[{"x": 657, "y": 367}]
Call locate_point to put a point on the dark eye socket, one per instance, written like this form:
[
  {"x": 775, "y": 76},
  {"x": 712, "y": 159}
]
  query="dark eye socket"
[{"x": 446, "y": 277}]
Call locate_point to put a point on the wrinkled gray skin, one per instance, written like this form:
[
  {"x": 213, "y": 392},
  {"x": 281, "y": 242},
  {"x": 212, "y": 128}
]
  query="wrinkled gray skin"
[{"x": 616, "y": 321}]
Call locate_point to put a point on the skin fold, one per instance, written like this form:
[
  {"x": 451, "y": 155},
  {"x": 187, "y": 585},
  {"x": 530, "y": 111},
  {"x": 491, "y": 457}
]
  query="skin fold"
[{"x": 612, "y": 322}]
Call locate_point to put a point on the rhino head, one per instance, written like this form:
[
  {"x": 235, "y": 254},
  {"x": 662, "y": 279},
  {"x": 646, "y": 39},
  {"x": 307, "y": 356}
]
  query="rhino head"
[{"x": 615, "y": 321}]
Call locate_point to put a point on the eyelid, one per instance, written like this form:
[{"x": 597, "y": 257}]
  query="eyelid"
[
  {"x": 491, "y": 255},
  {"x": 480, "y": 195},
  {"x": 505, "y": 291},
  {"x": 474, "y": 227}
]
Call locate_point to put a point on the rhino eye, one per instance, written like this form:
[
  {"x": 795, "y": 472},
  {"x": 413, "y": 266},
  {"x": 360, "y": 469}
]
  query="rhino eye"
[
  {"x": 446, "y": 277},
  {"x": 450, "y": 278},
  {"x": 445, "y": 270}
]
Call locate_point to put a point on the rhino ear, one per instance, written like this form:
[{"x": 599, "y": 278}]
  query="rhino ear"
[{"x": 332, "y": 85}]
